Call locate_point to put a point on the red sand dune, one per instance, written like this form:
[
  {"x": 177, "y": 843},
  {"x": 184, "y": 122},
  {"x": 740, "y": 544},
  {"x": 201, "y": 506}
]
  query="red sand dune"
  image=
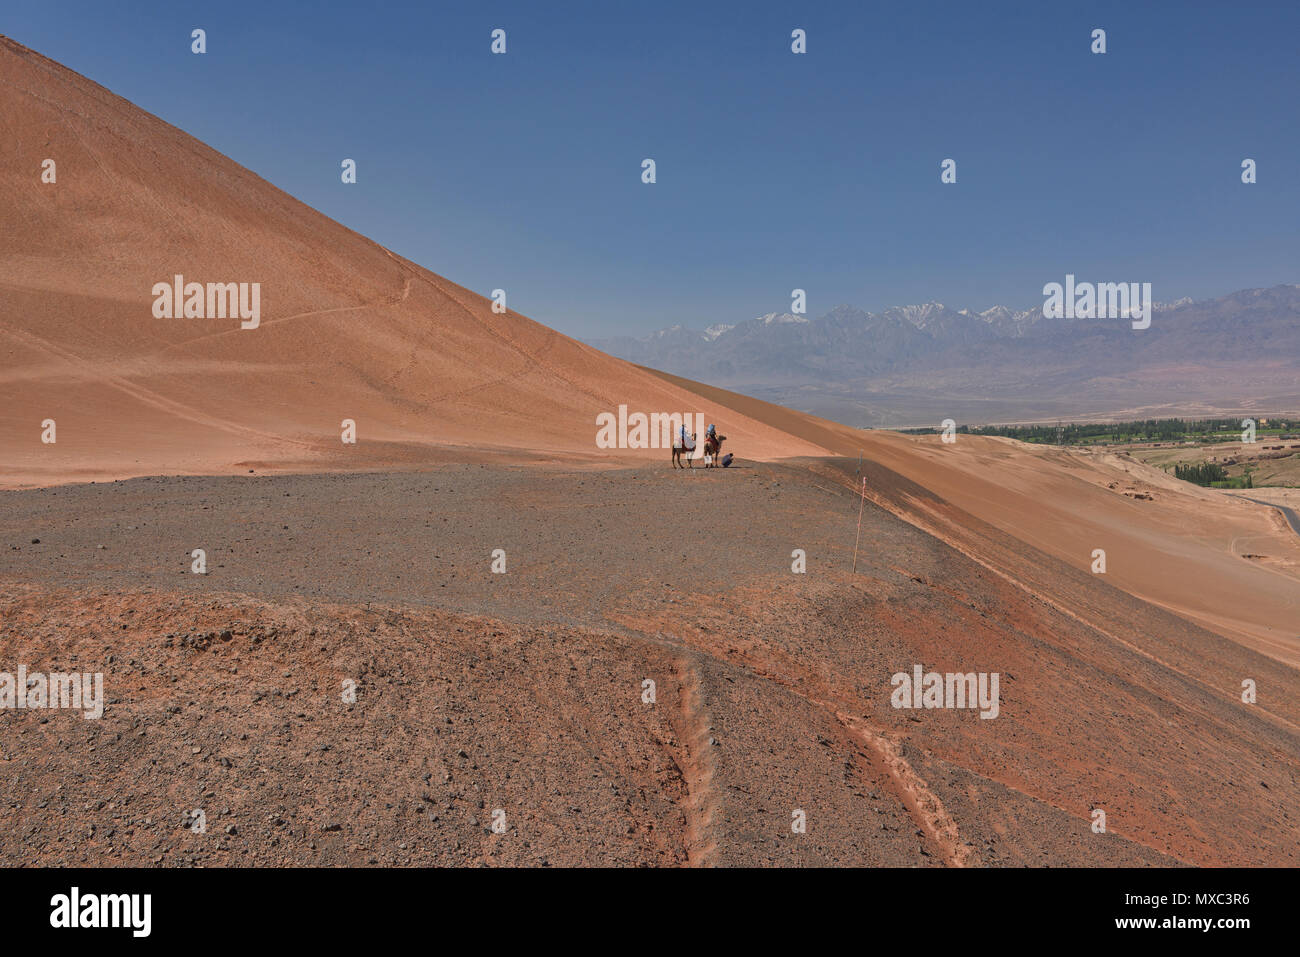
[{"x": 348, "y": 329}]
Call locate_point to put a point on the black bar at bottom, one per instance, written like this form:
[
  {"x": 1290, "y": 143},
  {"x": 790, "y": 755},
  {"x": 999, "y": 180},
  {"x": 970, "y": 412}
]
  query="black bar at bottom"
[{"x": 908, "y": 907}]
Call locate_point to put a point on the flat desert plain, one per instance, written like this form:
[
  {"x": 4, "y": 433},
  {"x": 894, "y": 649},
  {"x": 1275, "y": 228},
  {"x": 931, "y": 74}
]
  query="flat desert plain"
[{"x": 666, "y": 667}]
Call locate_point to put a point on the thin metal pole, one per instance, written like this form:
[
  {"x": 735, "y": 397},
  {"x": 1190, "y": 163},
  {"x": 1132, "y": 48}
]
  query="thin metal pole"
[{"x": 859, "y": 535}]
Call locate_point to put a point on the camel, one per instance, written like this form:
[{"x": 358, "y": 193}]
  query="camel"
[
  {"x": 712, "y": 449},
  {"x": 679, "y": 449}
]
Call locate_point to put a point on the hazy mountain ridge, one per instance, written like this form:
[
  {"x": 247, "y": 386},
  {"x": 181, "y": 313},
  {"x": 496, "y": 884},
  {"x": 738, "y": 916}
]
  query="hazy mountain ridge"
[{"x": 931, "y": 349}]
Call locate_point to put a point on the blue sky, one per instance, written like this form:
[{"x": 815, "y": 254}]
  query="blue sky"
[{"x": 775, "y": 170}]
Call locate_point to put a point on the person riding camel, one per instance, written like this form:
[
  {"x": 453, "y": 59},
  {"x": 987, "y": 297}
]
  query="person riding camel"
[
  {"x": 682, "y": 448},
  {"x": 712, "y": 446}
]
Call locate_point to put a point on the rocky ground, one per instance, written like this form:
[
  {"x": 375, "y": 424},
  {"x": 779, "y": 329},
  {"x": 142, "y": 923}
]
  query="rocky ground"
[{"x": 520, "y": 699}]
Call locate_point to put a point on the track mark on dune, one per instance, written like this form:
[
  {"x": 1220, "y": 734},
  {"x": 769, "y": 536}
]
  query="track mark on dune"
[
  {"x": 765, "y": 664},
  {"x": 909, "y": 787},
  {"x": 696, "y": 763},
  {"x": 922, "y": 803},
  {"x": 147, "y": 396},
  {"x": 533, "y": 361},
  {"x": 390, "y": 301}
]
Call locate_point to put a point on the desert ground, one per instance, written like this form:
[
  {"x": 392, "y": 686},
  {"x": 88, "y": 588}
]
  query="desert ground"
[
  {"x": 523, "y": 691},
  {"x": 332, "y": 565}
]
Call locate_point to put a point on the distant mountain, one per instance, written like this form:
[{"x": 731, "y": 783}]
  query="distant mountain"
[{"x": 850, "y": 363}]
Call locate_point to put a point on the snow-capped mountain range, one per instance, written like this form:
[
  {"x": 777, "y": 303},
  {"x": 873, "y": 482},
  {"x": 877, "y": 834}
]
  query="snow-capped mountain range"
[{"x": 930, "y": 346}]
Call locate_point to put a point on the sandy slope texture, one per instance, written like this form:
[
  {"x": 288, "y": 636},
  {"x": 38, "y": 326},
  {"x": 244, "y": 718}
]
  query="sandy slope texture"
[
  {"x": 1232, "y": 566},
  {"x": 348, "y": 329}
]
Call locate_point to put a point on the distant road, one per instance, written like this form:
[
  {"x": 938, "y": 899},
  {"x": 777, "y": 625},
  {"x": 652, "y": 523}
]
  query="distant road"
[{"x": 1293, "y": 519}]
